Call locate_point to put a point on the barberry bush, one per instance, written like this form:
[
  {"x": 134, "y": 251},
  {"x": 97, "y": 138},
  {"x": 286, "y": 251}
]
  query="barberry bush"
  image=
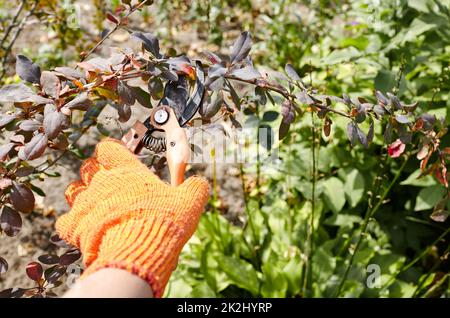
[{"x": 332, "y": 205}]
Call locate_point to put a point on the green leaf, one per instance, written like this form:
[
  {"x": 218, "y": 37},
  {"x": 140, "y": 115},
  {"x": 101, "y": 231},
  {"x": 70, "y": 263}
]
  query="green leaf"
[
  {"x": 340, "y": 56},
  {"x": 202, "y": 290},
  {"x": 333, "y": 194},
  {"x": 37, "y": 190},
  {"x": 275, "y": 284},
  {"x": 425, "y": 181},
  {"x": 385, "y": 81},
  {"x": 429, "y": 197},
  {"x": 240, "y": 273},
  {"x": 354, "y": 187}
]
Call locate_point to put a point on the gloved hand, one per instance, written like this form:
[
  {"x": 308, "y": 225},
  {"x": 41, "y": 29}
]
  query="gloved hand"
[{"x": 123, "y": 216}]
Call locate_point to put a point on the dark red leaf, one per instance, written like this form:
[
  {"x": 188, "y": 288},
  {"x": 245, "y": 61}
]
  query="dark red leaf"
[
  {"x": 35, "y": 147},
  {"x": 49, "y": 259},
  {"x": 22, "y": 198},
  {"x": 34, "y": 271},
  {"x": 112, "y": 18},
  {"x": 10, "y": 221},
  {"x": 69, "y": 257},
  {"x": 12, "y": 293},
  {"x": 53, "y": 273}
]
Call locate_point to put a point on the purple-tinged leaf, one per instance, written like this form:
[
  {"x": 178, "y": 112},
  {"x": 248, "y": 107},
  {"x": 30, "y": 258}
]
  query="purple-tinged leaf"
[
  {"x": 379, "y": 110},
  {"x": 27, "y": 70},
  {"x": 169, "y": 75},
  {"x": 97, "y": 65},
  {"x": 216, "y": 71},
  {"x": 362, "y": 137},
  {"x": 402, "y": 119},
  {"x": 283, "y": 130},
  {"x": 5, "y": 119},
  {"x": 20, "y": 93},
  {"x": 69, "y": 73},
  {"x": 35, "y": 147},
  {"x": 30, "y": 125},
  {"x": 247, "y": 73},
  {"x": 150, "y": 42},
  {"x": 213, "y": 58},
  {"x": 287, "y": 111},
  {"x": 216, "y": 84},
  {"x": 22, "y": 198},
  {"x": 54, "y": 273},
  {"x": 50, "y": 83},
  {"x": 388, "y": 133},
  {"x": 3, "y": 266},
  {"x": 125, "y": 93},
  {"x": 12, "y": 293},
  {"x": 53, "y": 123},
  {"x": 234, "y": 96},
  {"x": 352, "y": 133},
  {"x": 81, "y": 102},
  {"x": 124, "y": 112},
  {"x": 24, "y": 171},
  {"x": 428, "y": 120},
  {"x": 381, "y": 98},
  {"x": 209, "y": 109},
  {"x": 49, "y": 259},
  {"x": 55, "y": 239},
  {"x": 241, "y": 48},
  {"x": 305, "y": 98},
  {"x": 34, "y": 271},
  {"x": 370, "y": 132},
  {"x": 5, "y": 149},
  {"x": 290, "y": 71},
  {"x": 394, "y": 101},
  {"x": 69, "y": 257},
  {"x": 10, "y": 221}
]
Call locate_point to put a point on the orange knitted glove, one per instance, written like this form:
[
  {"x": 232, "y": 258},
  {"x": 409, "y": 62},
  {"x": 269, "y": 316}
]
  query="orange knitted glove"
[{"x": 124, "y": 216}]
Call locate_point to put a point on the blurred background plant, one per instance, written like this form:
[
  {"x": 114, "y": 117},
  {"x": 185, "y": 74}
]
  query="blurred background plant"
[{"x": 314, "y": 223}]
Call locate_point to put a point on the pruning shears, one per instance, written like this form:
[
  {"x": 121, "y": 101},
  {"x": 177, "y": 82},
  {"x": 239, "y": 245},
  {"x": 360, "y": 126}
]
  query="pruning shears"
[{"x": 163, "y": 130}]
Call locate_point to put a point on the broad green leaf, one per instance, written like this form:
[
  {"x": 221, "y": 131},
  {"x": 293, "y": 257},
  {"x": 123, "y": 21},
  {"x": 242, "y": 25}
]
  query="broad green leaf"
[
  {"x": 274, "y": 284},
  {"x": 424, "y": 181},
  {"x": 385, "y": 81},
  {"x": 429, "y": 197},
  {"x": 240, "y": 273},
  {"x": 340, "y": 56},
  {"x": 334, "y": 195},
  {"x": 354, "y": 187}
]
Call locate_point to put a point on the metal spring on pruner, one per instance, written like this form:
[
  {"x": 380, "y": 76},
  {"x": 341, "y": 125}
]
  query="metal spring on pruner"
[{"x": 154, "y": 144}]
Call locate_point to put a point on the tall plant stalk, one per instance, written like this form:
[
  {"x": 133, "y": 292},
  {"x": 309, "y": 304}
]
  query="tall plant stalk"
[{"x": 370, "y": 213}]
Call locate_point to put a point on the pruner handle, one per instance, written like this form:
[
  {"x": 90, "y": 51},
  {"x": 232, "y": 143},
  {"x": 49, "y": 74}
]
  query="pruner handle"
[{"x": 178, "y": 150}]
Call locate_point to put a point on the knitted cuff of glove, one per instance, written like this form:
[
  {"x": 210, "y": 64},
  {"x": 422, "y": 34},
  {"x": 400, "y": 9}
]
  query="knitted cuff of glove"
[{"x": 148, "y": 248}]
